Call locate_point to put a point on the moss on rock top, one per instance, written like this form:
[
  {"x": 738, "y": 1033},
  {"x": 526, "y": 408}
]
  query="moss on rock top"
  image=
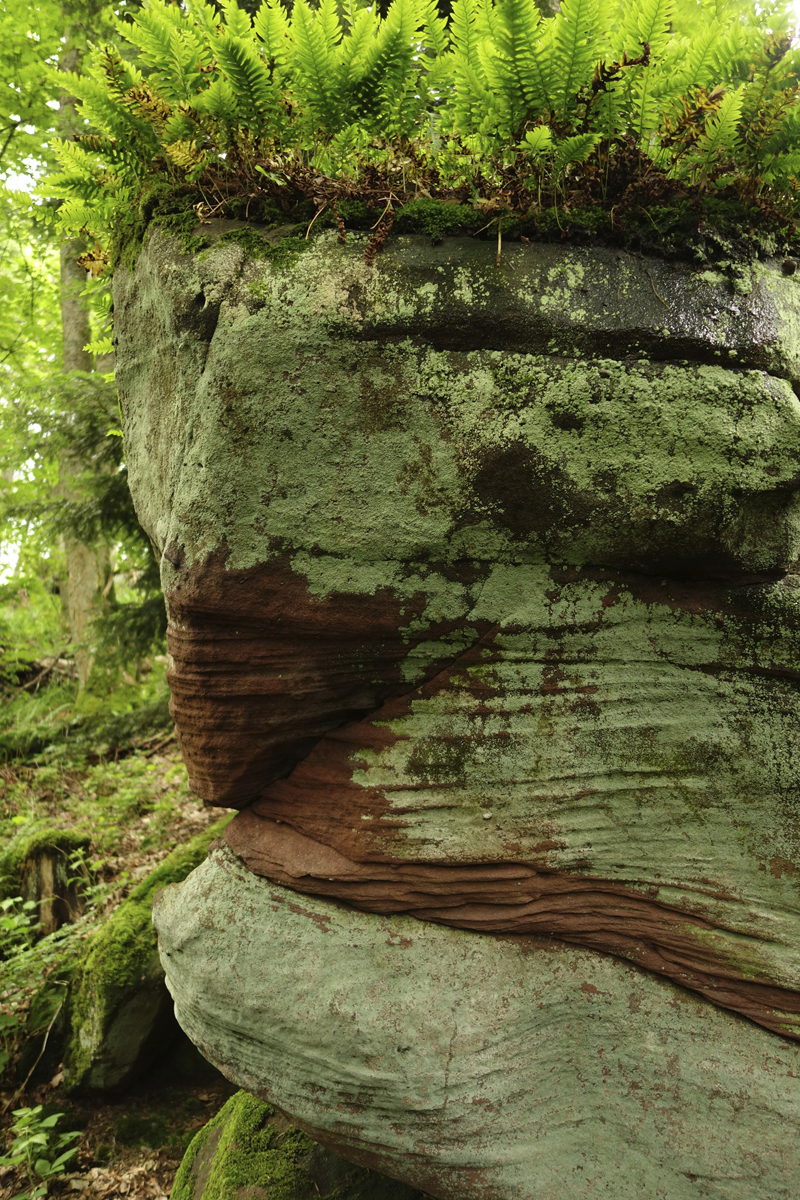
[{"x": 118, "y": 994}]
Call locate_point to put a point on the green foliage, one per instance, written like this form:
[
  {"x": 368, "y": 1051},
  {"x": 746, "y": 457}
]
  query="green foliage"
[
  {"x": 39, "y": 1149},
  {"x": 60, "y": 724},
  {"x": 17, "y": 924},
  {"x": 101, "y": 819},
  {"x": 699, "y": 96},
  {"x": 72, "y": 418}
]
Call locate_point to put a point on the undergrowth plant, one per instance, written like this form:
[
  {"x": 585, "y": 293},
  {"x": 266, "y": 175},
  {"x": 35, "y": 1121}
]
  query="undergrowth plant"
[
  {"x": 38, "y": 1149},
  {"x": 500, "y": 108}
]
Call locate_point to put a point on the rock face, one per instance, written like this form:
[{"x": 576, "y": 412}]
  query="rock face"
[
  {"x": 483, "y": 600},
  {"x": 477, "y": 1068}
]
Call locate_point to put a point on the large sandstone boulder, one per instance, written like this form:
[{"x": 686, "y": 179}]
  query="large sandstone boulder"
[
  {"x": 484, "y": 608},
  {"x": 477, "y": 1068}
]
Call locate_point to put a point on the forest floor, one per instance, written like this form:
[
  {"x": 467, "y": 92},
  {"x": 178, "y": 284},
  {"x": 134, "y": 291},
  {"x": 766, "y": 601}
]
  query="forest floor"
[{"x": 135, "y": 805}]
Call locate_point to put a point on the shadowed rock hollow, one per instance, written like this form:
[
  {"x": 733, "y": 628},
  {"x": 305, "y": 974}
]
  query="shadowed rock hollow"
[{"x": 483, "y": 609}]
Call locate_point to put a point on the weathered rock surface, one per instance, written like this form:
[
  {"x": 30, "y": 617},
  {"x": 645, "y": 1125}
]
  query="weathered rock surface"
[
  {"x": 250, "y": 1150},
  {"x": 484, "y": 582},
  {"x": 477, "y": 1068},
  {"x": 485, "y": 608}
]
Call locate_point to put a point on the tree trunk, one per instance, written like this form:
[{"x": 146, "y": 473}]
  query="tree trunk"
[{"x": 87, "y": 566}]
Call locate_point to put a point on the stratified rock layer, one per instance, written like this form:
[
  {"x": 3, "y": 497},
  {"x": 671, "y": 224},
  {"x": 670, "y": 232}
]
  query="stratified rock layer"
[
  {"x": 477, "y": 1068},
  {"x": 482, "y": 586}
]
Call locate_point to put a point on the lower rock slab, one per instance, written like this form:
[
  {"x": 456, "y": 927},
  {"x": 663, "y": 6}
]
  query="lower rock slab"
[{"x": 477, "y": 1067}]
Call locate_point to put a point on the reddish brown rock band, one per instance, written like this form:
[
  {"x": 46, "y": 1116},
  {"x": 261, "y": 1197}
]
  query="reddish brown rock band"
[{"x": 272, "y": 714}]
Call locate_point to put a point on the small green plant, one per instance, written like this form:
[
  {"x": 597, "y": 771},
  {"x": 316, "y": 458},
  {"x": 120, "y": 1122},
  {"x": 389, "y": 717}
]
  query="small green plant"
[
  {"x": 613, "y": 104},
  {"x": 18, "y": 924},
  {"x": 38, "y": 1150}
]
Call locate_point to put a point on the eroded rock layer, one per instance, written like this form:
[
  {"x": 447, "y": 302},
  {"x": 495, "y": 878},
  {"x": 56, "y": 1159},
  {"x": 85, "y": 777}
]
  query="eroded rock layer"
[
  {"x": 483, "y": 581},
  {"x": 477, "y": 1068}
]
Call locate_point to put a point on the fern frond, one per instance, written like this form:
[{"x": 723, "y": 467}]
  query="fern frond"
[
  {"x": 386, "y": 67},
  {"x": 578, "y": 42},
  {"x": 272, "y": 27},
  {"x": 538, "y": 141},
  {"x": 573, "y": 150},
  {"x": 433, "y": 28},
  {"x": 218, "y": 101},
  {"x": 172, "y": 52},
  {"x": 205, "y": 17},
  {"x": 248, "y": 76},
  {"x": 184, "y": 154},
  {"x": 646, "y": 22},
  {"x": 313, "y": 63},
  {"x": 472, "y": 98},
  {"x": 237, "y": 22},
  {"x": 525, "y": 77},
  {"x": 720, "y": 136}
]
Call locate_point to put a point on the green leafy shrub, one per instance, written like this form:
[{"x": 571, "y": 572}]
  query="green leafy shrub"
[
  {"x": 38, "y": 1149},
  {"x": 499, "y": 108}
]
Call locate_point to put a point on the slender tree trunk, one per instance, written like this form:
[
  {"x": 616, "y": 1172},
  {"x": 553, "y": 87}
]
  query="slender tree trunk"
[{"x": 88, "y": 567}]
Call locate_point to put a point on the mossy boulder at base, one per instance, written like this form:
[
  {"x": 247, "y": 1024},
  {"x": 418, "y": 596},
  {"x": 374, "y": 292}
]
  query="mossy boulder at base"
[
  {"x": 118, "y": 1008},
  {"x": 484, "y": 610},
  {"x": 250, "y": 1150}
]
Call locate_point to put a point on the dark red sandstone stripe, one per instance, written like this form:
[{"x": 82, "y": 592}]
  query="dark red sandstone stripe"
[{"x": 517, "y": 898}]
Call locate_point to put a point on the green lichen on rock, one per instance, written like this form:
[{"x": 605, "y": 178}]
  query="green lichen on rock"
[
  {"x": 450, "y": 374},
  {"x": 477, "y": 1066},
  {"x": 249, "y": 1149},
  {"x": 280, "y": 249},
  {"x": 118, "y": 997}
]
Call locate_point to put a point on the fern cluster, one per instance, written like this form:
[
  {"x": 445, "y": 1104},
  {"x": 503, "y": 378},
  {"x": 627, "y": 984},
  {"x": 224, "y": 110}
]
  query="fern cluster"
[{"x": 498, "y": 107}]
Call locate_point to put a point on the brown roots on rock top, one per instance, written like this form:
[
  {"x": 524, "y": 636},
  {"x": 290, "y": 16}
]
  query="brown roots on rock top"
[{"x": 624, "y": 200}]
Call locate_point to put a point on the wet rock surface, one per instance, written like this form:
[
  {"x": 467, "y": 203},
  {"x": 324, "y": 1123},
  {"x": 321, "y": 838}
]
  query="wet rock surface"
[{"x": 484, "y": 607}]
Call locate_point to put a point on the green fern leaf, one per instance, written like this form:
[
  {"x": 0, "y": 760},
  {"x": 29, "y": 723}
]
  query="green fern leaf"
[
  {"x": 248, "y": 76},
  {"x": 272, "y": 28},
  {"x": 219, "y": 101},
  {"x": 313, "y": 63},
  {"x": 433, "y": 27},
  {"x": 647, "y": 21},
  {"x": 524, "y": 77},
  {"x": 386, "y": 69},
  {"x": 237, "y": 22},
  {"x": 720, "y": 136},
  {"x": 578, "y": 42},
  {"x": 538, "y": 141},
  {"x": 573, "y": 150},
  {"x": 472, "y": 97}
]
